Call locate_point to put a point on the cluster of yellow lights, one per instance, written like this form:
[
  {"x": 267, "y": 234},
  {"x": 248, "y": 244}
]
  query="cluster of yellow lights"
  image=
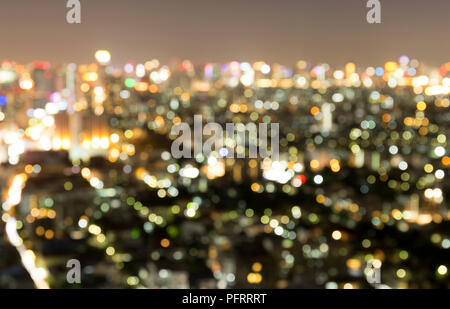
[
  {"x": 255, "y": 277},
  {"x": 97, "y": 142},
  {"x": 89, "y": 77},
  {"x": 28, "y": 257},
  {"x": 215, "y": 169},
  {"x": 335, "y": 165},
  {"x": 90, "y": 176},
  {"x": 59, "y": 143},
  {"x": 238, "y": 108}
]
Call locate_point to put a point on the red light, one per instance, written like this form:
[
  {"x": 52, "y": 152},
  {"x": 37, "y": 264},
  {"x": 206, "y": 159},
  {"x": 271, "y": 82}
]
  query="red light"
[
  {"x": 41, "y": 65},
  {"x": 302, "y": 178}
]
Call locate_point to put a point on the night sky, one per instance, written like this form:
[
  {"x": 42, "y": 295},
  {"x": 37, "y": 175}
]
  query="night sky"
[{"x": 281, "y": 31}]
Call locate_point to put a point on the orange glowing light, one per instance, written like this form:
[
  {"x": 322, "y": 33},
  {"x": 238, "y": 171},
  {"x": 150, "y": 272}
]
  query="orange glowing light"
[
  {"x": 165, "y": 243},
  {"x": 314, "y": 164},
  {"x": 315, "y": 110}
]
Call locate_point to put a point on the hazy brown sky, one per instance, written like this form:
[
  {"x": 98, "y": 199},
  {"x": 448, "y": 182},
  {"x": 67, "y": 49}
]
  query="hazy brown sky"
[{"x": 333, "y": 31}]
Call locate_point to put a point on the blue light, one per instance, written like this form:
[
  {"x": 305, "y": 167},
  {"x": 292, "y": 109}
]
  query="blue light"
[
  {"x": 3, "y": 100},
  {"x": 379, "y": 71}
]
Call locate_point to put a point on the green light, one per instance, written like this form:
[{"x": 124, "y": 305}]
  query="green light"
[{"x": 130, "y": 82}]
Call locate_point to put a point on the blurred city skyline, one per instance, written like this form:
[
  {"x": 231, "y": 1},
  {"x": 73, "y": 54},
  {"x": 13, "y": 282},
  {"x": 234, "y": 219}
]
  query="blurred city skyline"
[
  {"x": 319, "y": 31},
  {"x": 92, "y": 171}
]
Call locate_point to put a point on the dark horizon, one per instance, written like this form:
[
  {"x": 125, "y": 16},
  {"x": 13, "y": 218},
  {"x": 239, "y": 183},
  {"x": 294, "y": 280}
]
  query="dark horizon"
[{"x": 203, "y": 31}]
